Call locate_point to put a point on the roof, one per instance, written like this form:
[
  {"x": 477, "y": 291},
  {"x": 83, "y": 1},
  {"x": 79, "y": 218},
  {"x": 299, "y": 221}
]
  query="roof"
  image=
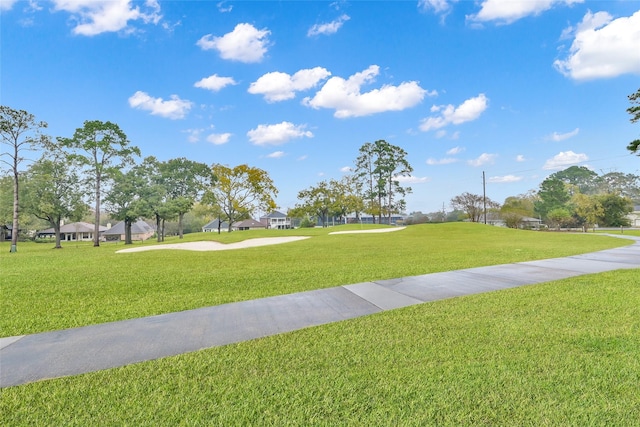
[
  {"x": 74, "y": 227},
  {"x": 213, "y": 225},
  {"x": 249, "y": 223},
  {"x": 275, "y": 214},
  {"x": 138, "y": 227}
]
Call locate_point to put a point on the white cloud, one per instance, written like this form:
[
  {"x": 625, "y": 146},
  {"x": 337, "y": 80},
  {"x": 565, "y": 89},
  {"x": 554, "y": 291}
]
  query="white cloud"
[
  {"x": 277, "y": 134},
  {"x": 564, "y": 159},
  {"x": 438, "y": 6},
  {"x": 508, "y": 11},
  {"x": 520, "y": 158},
  {"x": 504, "y": 179},
  {"x": 101, "y": 16},
  {"x": 215, "y": 83},
  {"x": 455, "y": 150},
  {"x": 346, "y": 169},
  {"x": 444, "y": 161},
  {"x": 412, "y": 179},
  {"x": 276, "y": 155},
  {"x": 557, "y": 137},
  {"x": 174, "y": 108},
  {"x": 483, "y": 159},
  {"x": 7, "y": 4},
  {"x": 345, "y": 97},
  {"x": 193, "y": 134},
  {"x": 245, "y": 43},
  {"x": 602, "y": 47},
  {"x": 328, "y": 28},
  {"x": 468, "y": 111},
  {"x": 219, "y": 138},
  {"x": 303, "y": 157},
  {"x": 223, "y": 8},
  {"x": 277, "y": 86}
]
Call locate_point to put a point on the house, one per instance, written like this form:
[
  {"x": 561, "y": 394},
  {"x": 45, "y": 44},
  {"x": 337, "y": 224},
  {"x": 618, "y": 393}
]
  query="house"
[
  {"x": 248, "y": 224},
  {"x": 216, "y": 225},
  {"x": 634, "y": 217},
  {"x": 276, "y": 220},
  {"x": 76, "y": 231},
  {"x": 140, "y": 230}
]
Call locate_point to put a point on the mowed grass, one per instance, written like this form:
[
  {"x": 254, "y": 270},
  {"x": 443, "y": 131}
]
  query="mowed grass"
[
  {"x": 564, "y": 353},
  {"x": 45, "y": 289}
]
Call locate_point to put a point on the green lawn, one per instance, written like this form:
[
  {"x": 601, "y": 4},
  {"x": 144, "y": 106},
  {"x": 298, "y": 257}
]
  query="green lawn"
[
  {"x": 45, "y": 289},
  {"x": 563, "y": 353}
]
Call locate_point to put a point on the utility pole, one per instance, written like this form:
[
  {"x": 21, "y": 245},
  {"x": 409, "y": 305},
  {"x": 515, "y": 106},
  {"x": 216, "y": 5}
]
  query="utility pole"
[{"x": 484, "y": 197}]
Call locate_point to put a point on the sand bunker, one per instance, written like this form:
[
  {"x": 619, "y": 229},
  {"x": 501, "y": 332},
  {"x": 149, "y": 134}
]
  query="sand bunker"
[
  {"x": 375, "y": 230},
  {"x": 217, "y": 246}
]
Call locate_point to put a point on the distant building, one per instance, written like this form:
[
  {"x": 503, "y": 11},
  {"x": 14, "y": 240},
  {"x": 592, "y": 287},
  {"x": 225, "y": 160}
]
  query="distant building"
[
  {"x": 276, "y": 220},
  {"x": 140, "y": 230},
  {"x": 216, "y": 225},
  {"x": 248, "y": 224},
  {"x": 76, "y": 231}
]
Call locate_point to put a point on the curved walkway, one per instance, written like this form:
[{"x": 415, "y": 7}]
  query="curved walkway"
[{"x": 75, "y": 351}]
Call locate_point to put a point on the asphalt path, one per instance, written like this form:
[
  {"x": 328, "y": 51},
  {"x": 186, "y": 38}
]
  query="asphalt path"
[{"x": 47, "y": 355}]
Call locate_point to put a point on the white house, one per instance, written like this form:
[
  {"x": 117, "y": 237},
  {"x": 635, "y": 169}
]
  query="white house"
[{"x": 276, "y": 220}]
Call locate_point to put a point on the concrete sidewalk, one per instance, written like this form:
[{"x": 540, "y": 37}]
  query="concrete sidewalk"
[{"x": 75, "y": 351}]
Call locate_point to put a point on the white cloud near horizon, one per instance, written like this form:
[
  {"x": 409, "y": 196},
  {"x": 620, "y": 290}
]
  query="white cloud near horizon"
[
  {"x": 345, "y": 97},
  {"x": 468, "y": 111},
  {"x": 328, "y": 28},
  {"x": 557, "y": 137},
  {"x": 412, "y": 179},
  {"x": 509, "y": 11},
  {"x": 483, "y": 159},
  {"x": 244, "y": 44},
  {"x": 277, "y": 134},
  {"x": 219, "y": 138},
  {"x": 93, "y": 17},
  {"x": 504, "y": 179},
  {"x": 564, "y": 159},
  {"x": 602, "y": 47},
  {"x": 277, "y": 86},
  {"x": 215, "y": 83},
  {"x": 174, "y": 108}
]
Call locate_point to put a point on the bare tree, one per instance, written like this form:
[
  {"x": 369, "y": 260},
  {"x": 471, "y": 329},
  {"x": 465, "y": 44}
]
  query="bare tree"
[{"x": 20, "y": 132}]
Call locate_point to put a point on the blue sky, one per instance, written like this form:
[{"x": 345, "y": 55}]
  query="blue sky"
[{"x": 515, "y": 89}]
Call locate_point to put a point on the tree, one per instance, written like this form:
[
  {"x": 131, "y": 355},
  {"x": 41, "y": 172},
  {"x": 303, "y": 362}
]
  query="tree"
[
  {"x": 379, "y": 166},
  {"x": 184, "y": 181},
  {"x": 588, "y": 209},
  {"x": 559, "y": 217},
  {"x": 580, "y": 177},
  {"x": 317, "y": 200},
  {"x": 634, "y": 110},
  {"x": 615, "y": 210},
  {"x": 126, "y": 199},
  {"x": 21, "y": 132},
  {"x": 626, "y": 185},
  {"x": 104, "y": 148},
  {"x": 552, "y": 195},
  {"x": 515, "y": 209},
  {"x": 52, "y": 193},
  {"x": 241, "y": 191},
  {"x": 472, "y": 205}
]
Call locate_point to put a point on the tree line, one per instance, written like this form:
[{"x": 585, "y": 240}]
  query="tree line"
[{"x": 97, "y": 163}]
